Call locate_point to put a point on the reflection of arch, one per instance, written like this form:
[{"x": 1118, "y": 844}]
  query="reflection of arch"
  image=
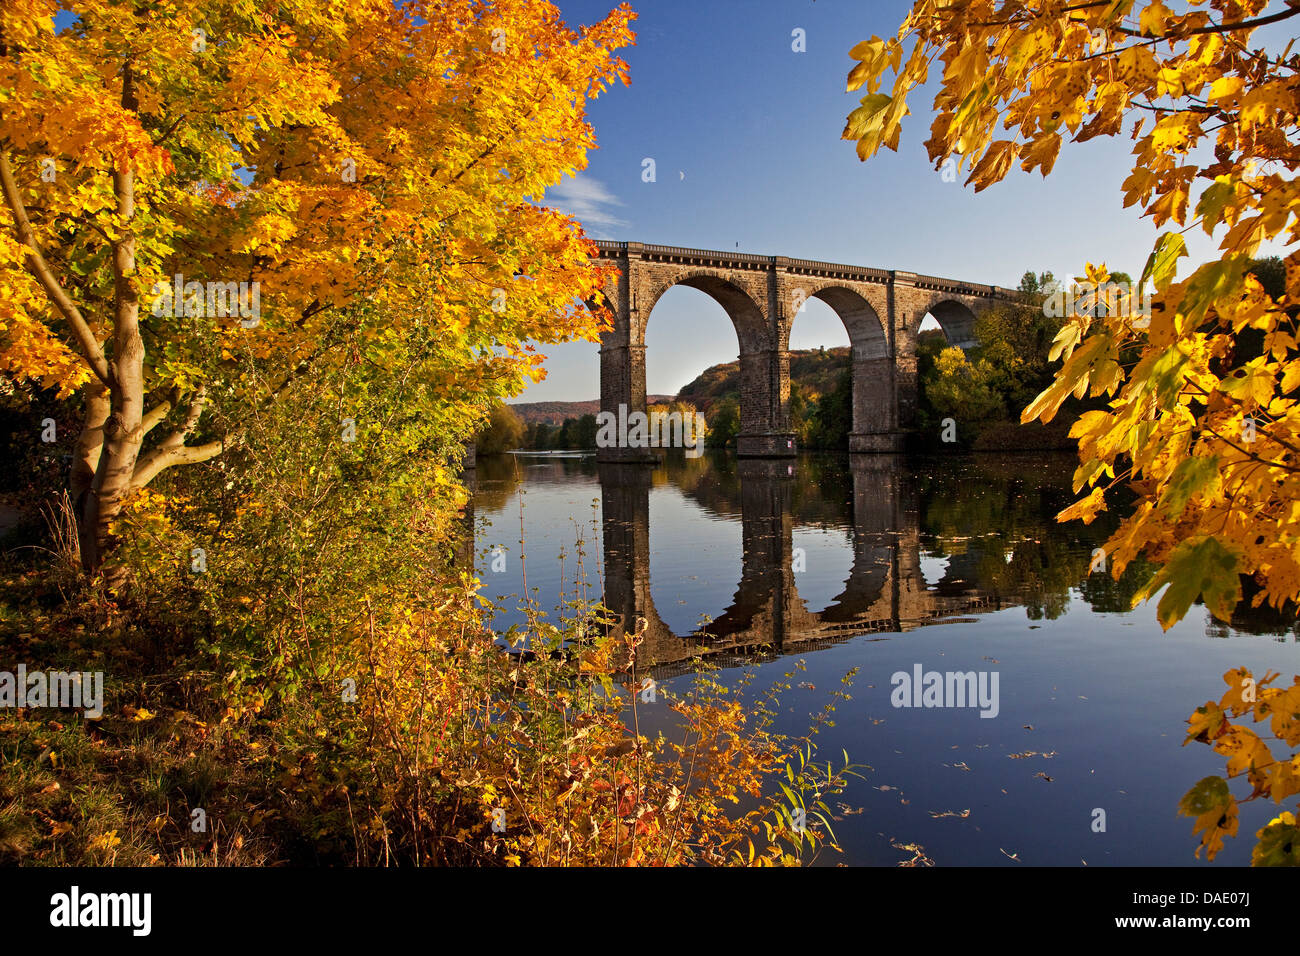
[
  {"x": 884, "y": 592},
  {"x": 957, "y": 321},
  {"x": 883, "y": 542},
  {"x": 625, "y": 533},
  {"x": 765, "y": 597}
]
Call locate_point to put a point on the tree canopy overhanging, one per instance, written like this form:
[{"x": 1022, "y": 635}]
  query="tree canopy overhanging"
[{"x": 1201, "y": 419}]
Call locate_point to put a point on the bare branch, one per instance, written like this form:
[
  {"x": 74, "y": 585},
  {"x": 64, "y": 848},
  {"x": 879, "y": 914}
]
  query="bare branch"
[
  {"x": 148, "y": 466},
  {"x": 156, "y": 415}
]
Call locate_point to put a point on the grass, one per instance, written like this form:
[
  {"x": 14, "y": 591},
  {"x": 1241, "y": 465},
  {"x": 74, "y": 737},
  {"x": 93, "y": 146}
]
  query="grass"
[{"x": 119, "y": 790}]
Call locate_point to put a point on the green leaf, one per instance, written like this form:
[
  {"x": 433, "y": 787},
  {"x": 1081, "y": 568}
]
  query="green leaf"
[
  {"x": 1162, "y": 264},
  {"x": 1213, "y": 282},
  {"x": 1279, "y": 843},
  {"x": 1212, "y": 202},
  {"x": 1193, "y": 475},
  {"x": 1165, "y": 376},
  {"x": 1212, "y": 793},
  {"x": 1199, "y": 567}
]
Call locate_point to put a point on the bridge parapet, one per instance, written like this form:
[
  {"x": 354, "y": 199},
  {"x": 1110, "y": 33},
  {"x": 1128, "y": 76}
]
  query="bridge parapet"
[{"x": 685, "y": 255}]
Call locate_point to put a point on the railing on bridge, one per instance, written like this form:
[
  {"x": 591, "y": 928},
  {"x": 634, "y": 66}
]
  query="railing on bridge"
[{"x": 737, "y": 260}]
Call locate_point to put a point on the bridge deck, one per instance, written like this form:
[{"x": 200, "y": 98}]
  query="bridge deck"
[{"x": 711, "y": 258}]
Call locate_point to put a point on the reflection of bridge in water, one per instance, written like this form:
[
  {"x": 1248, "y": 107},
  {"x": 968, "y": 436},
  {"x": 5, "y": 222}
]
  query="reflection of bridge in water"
[{"x": 885, "y": 590}]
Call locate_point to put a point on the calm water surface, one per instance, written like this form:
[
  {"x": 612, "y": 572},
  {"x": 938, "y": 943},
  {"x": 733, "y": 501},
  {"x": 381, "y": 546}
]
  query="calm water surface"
[{"x": 882, "y": 564}]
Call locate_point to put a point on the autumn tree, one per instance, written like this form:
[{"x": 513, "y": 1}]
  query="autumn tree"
[
  {"x": 503, "y": 432},
  {"x": 205, "y": 203}
]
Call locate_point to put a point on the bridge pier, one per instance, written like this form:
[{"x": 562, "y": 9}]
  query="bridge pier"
[
  {"x": 765, "y": 405},
  {"x": 622, "y": 382}
]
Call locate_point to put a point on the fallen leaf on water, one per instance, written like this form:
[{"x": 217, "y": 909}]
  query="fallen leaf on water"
[{"x": 918, "y": 854}]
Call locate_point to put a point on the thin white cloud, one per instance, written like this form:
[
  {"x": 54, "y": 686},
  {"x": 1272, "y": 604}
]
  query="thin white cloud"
[{"x": 588, "y": 201}]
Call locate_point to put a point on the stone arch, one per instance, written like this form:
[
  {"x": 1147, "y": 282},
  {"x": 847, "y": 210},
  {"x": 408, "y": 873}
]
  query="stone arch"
[
  {"x": 762, "y": 398},
  {"x": 867, "y": 334},
  {"x": 956, "y": 318},
  {"x": 875, "y": 407},
  {"x": 739, "y": 303}
]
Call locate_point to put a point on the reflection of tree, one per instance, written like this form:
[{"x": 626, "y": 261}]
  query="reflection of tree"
[
  {"x": 678, "y": 468},
  {"x": 1039, "y": 575},
  {"x": 1106, "y": 594},
  {"x": 823, "y": 491},
  {"x": 967, "y": 498},
  {"x": 497, "y": 477},
  {"x": 1255, "y": 620},
  {"x": 993, "y": 518},
  {"x": 821, "y": 488}
]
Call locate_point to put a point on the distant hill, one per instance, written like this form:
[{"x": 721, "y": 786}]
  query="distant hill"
[
  {"x": 555, "y": 413},
  {"x": 815, "y": 371}
]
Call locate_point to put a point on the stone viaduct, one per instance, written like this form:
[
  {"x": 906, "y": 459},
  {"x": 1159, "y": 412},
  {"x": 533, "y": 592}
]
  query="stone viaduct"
[{"x": 881, "y": 309}]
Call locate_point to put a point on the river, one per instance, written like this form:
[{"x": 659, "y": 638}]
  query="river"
[{"x": 888, "y": 564}]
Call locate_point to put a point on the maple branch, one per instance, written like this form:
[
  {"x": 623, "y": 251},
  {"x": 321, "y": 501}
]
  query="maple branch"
[
  {"x": 1069, "y": 9},
  {"x": 156, "y": 414},
  {"x": 177, "y": 438},
  {"x": 166, "y": 134},
  {"x": 1251, "y": 455},
  {"x": 1190, "y": 108},
  {"x": 1171, "y": 36},
  {"x": 173, "y": 450},
  {"x": 1217, "y": 27},
  {"x": 148, "y": 466},
  {"x": 91, "y": 350},
  {"x": 1285, "y": 444}
]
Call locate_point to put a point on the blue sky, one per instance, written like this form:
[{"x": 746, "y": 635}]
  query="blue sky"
[{"x": 745, "y": 137}]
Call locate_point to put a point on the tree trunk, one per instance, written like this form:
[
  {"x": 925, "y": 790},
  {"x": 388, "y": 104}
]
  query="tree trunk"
[
  {"x": 123, "y": 429},
  {"x": 85, "y": 461}
]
